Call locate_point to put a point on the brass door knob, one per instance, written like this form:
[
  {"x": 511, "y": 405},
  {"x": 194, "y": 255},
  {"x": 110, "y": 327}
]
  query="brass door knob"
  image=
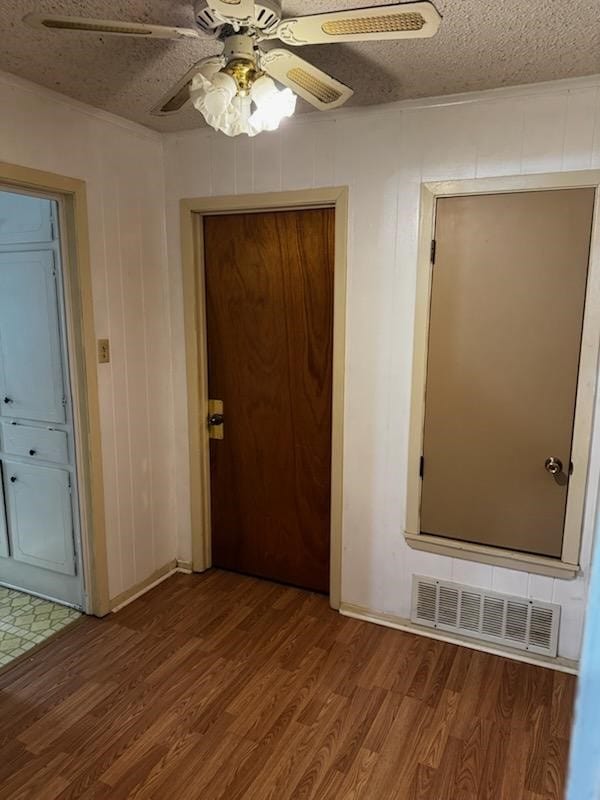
[{"x": 553, "y": 465}]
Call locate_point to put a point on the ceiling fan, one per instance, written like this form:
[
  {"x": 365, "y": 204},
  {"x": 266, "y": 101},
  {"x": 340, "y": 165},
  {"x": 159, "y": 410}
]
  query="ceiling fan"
[{"x": 236, "y": 90}]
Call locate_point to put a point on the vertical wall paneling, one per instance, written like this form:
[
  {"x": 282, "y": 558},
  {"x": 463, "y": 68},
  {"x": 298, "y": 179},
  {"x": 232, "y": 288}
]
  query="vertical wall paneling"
[
  {"x": 266, "y": 161},
  {"x": 122, "y": 165},
  {"x": 500, "y": 138},
  {"x": 324, "y": 153},
  {"x": 244, "y": 169},
  {"x": 383, "y": 154},
  {"x": 544, "y": 128},
  {"x": 298, "y": 156},
  {"x": 222, "y": 165},
  {"x": 582, "y": 107}
]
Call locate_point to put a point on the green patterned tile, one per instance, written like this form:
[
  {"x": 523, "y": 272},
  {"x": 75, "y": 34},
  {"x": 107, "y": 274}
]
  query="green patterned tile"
[
  {"x": 26, "y": 620},
  {"x": 12, "y": 645}
]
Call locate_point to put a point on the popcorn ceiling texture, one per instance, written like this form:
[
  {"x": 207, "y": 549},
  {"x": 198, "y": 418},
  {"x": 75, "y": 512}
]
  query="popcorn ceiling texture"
[{"x": 482, "y": 44}]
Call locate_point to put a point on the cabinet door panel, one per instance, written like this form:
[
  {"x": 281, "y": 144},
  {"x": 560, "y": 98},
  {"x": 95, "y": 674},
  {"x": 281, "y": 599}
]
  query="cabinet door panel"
[
  {"x": 31, "y": 377},
  {"x": 3, "y": 531},
  {"x": 39, "y": 516},
  {"x": 24, "y": 219}
]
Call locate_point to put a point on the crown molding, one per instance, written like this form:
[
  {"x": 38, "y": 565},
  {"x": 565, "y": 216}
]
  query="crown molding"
[
  {"x": 564, "y": 86},
  {"x": 24, "y": 85}
]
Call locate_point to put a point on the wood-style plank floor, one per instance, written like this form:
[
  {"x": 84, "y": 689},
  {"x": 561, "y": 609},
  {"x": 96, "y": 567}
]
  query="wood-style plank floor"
[{"x": 221, "y": 686}]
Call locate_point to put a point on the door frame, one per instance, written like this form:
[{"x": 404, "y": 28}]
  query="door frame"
[
  {"x": 71, "y": 196},
  {"x": 192, "y": 210},
  {"x": 567, "y": 566}
]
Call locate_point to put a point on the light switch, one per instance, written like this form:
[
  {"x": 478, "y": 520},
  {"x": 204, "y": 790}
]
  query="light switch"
[{"x": 103, "y": 351}]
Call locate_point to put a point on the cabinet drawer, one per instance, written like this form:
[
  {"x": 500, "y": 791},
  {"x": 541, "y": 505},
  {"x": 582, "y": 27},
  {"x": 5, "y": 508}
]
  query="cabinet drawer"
[{"x": 35, "y": 443}]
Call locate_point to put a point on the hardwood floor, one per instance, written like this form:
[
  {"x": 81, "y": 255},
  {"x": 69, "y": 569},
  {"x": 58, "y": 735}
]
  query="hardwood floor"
[{"x": 221, "y": 686}]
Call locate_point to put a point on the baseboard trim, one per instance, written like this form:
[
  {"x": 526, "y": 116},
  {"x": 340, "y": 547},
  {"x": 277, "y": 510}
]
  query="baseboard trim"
[
  {"x": 184, "y": 566},
  {"x": 402, "y": 624},
  {"x": 129, "y": 595}
]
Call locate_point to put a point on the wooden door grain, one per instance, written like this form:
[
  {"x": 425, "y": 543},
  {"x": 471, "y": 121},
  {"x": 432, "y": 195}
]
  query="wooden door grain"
[{"x": 269, "y": 310}]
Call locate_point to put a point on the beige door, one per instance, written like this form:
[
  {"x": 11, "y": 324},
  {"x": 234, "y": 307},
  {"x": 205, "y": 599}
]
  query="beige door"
[{"x": 507, "y": 306}]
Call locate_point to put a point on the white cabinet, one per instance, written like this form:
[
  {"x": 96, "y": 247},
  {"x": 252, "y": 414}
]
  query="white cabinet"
[
  {"x": 37, "y": 444},
  {"x": 38, "y": 503},
  {"x": 39, "y": 509},
  {"x": 4, "y": 552},
  {"x": 31, "y": 375}
]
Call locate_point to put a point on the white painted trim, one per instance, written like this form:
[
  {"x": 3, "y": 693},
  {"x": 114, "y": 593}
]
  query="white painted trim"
[
  {"x": 42, "y": 596},
  {"x": 568, "y": 565},
  {"x": 192, "y": 259},
  {"x": 402, "y": 624},
  {"x": 145, "y": 587},
  {"x": 496, "y": 556},
  {"x": 23, "y": 85}
]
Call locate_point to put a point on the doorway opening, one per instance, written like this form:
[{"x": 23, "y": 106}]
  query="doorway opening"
[
  {"x": 53, "y": 562},
  {"x": 41, "y": 559},
  {"x": 40, "y": 541},
  {"x": 308, "y": 275}
]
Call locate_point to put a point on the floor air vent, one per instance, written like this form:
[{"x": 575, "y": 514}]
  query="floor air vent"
[{"x": 489, "y": 616}]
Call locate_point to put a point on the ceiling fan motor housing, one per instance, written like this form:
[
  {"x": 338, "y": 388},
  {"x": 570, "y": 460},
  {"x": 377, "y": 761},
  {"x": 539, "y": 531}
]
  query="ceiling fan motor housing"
[{"x": 267, "y": 14}]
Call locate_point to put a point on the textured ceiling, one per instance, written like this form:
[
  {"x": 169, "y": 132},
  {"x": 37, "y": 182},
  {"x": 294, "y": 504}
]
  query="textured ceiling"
[{"x": 481, "y": 44}]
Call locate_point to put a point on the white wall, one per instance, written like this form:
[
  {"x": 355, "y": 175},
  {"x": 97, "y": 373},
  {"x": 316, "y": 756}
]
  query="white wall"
[
  {"x": 383, "y": 154},
  {"x": 122, "y": 165}
]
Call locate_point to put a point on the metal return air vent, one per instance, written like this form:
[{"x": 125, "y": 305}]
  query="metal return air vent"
[{"x": 489, "y": 616}]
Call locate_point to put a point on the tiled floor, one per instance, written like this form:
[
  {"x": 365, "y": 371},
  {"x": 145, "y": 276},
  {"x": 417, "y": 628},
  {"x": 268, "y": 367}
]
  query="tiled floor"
[{"x": 26, "y": 621}]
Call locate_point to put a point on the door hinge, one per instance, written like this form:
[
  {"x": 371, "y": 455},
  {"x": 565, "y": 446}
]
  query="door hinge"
[
  {"x": 433, "y": 249},
  {"x": 421, "y": 466}
]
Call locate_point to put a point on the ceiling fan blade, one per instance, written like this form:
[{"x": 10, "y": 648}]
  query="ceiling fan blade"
[
  {"x": 177, "y": 96},
  {"x": 398, "y": 21},
  {"x": 236, "y": 9},
  {"x": 314, "y": 85},
  {"x": 108, "y": 26}
]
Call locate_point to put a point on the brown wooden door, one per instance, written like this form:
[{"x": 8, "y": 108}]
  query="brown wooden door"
[
  {"x": 507, "y": 306},
  {"x": 269, "y": 308}
]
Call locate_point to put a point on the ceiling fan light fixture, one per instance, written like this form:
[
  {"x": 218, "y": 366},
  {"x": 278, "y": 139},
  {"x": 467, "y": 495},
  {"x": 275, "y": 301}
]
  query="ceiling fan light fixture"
[
  {"x": 238, "y": 90},
  {"x": 216, "y": 95},
  {"x": 272, "y": 104},
  {"x": 220, "y": 94}
]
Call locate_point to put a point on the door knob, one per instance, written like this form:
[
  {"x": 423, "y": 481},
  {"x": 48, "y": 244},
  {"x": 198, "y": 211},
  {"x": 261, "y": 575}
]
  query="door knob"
[
  {"x": 13, "y": 478},
  {"x": 32, "y": 452},
  {"x": 7, "y": 400},
  {"x": 553, "y": 465},
  {"x": 216, "y": 420}
]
